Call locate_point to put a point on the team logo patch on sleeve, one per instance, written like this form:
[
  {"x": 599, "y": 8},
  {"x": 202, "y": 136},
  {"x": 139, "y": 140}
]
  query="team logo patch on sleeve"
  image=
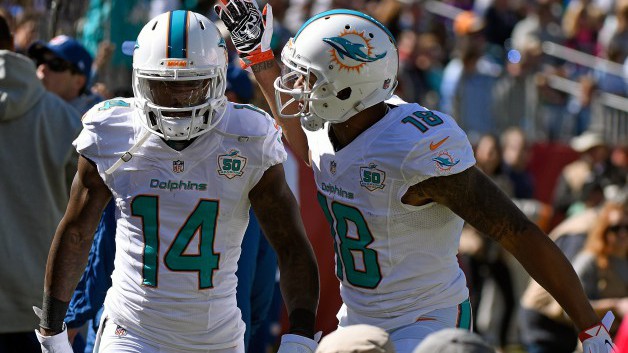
[
  {"x": 177, "y": 166},
  {"x": 231, "y": 165},
  {"x": 372, "y": 178},
  {"x": 444, "y": 161}
]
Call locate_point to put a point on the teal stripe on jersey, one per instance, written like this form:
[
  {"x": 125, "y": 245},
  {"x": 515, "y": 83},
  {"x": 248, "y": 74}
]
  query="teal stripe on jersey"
[
  {"x": 177, "y": 34},
  {"x": 464, "y": 315}
]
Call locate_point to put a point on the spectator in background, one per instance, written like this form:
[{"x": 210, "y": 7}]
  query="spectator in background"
[
  {"x": 603, "y": 264},
  {"x": 540, "y": 24},
  {"x": 581, "y": 25},
  {"x": 515, "y": 94},
  {"x": 500, "y": 18},
  {"x": 516, "y": 155},
  {"x": 420, "y": 67},
  {"x": 454, "y": 341},
  {"x": 357, "y": 339},
  {"x": 8, "y": 18},
  {"x": 592, "y": 164},
  {"x": 544, "y": 325},
  {"x": 64, "y": 66},
  {"x": 490, "y": 262},
  {"x": 36, "y": 133},
  {"x": 468, "y": 77},
  {"x": 26, "y": 31},
  {"x": 607, "y": 78}
]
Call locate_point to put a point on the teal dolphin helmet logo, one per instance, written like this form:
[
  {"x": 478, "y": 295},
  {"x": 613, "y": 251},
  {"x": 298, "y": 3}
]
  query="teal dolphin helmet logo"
[{"x": 351, "y": 50}]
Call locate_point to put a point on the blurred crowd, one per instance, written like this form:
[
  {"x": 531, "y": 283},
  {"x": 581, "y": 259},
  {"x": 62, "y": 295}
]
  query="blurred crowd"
[
  {"x": 540, "y": 87},
  {"x": 544, "y": 62}
]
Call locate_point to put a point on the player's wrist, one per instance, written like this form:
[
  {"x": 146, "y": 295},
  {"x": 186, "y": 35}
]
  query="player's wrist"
[
  {"x": 302, "y": 322},
  {"x": 256, "y": 58},
  {"x": 593, "y": 331},
  {"x": 52, "y": 314},
  {"x": 48, "y": 332}
]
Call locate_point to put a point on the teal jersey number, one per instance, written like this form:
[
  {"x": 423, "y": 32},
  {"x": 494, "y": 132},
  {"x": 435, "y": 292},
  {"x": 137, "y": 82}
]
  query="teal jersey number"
[
  {"x": 202, "y": 221},
  {"x": 365, "y": 273},
  {"x": 114, "y": 103},
  {"x": 428, "y": 119},
  {"x": 231, "y": 165},
  {"x": 249, "y": 107}
]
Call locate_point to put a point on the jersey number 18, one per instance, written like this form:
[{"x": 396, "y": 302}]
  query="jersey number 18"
[{"x": 352, "y": 251}]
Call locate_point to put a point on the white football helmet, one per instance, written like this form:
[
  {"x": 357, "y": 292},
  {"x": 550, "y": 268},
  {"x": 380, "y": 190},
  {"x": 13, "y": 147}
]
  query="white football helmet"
[
  {"x": 179, "y": 75},
  {"x": 339, "y": 63}
]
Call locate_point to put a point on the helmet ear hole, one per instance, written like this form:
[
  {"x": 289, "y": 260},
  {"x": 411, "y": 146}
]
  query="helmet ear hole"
[{"x": 344, "y": 94}]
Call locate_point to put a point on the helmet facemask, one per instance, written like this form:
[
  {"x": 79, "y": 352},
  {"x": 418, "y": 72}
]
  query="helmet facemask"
[
  {"x": 180, "y": 104},
  {"x": 297, "y": 88}
]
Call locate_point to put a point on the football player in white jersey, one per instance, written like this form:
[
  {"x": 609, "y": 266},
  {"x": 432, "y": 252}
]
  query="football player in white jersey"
[
  {"x": 183, "y": 166},
  {"x": 395, "y": 180}
]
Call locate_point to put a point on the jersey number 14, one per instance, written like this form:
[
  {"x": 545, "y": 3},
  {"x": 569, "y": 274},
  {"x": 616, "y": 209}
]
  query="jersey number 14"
[{"x": 201, "y": 220}]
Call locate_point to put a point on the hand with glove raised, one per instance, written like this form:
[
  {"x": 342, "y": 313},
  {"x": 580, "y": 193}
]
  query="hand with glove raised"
[
  {"x": 251, "y": 29},
  {"x": 596, "y": 339}
]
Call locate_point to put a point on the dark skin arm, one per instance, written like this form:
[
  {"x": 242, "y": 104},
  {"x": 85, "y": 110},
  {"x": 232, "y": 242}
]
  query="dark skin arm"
[
  {"x": 475, "y": 198},
  {"x": 73, "y": 239},
  {"x": 278, "y": 214},
  {"x": 265, "y": 75}
]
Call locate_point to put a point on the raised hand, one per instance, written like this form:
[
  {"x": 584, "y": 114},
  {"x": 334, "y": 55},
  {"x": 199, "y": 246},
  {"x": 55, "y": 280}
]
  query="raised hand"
[{"x": 251, "y": 29}]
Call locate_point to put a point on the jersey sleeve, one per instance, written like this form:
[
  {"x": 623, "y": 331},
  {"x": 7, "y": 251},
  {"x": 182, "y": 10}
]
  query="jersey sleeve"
[
  {"x": 86, "y": 143},
  {"x": 106, "y": 133},
  {"x": 274, "y": 151},
  {"x": 443, "y": 150}
]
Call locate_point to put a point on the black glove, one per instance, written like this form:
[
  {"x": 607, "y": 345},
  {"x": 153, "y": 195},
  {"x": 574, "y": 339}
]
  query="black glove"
[{"x": 245, "y": 22}]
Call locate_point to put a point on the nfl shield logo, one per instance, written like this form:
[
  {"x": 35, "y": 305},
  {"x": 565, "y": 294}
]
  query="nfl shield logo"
[
  {"x": 120, "y": 331},
  {"x": 332, "y": 167},
  {"x": 177, "y": 166}
]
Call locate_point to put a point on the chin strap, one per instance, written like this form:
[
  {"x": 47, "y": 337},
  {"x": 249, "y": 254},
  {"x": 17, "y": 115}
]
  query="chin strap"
[{"x": 126, "y": 156}]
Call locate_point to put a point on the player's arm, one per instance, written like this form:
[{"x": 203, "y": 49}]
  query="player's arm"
[
  {"x": 265, "y": 74},
  {"x": 475, "y": 198},
  {"x": 278, "y": 214},
  {"x": 71, "y": 243},
  {"x": 254, "y": 50}
]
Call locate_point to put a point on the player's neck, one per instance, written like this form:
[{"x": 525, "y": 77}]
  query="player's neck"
[
  {"x": 349, "y": 130},
  {"x": 178, "y": 145}
]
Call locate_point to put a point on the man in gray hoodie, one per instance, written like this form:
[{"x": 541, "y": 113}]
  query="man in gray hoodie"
[{"x": 37, "y": 163}]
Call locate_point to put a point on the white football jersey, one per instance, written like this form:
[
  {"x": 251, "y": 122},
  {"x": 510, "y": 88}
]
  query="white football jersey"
[
  {"x": 181, "y": 217},
  {"x": 395, "y": 262}
]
